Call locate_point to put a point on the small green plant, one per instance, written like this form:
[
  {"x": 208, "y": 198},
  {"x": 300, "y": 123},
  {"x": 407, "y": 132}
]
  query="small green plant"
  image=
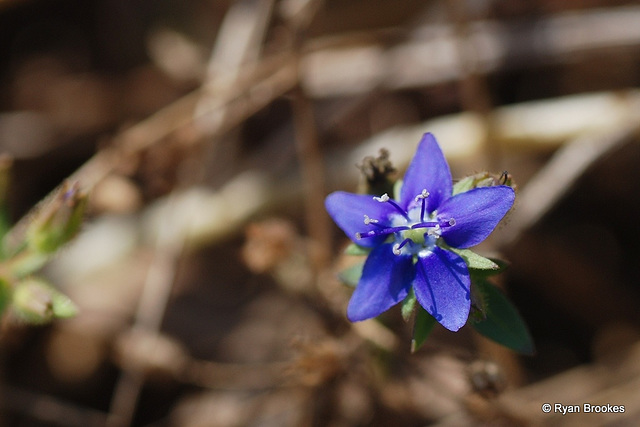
[{"x": 29, "y": 245}]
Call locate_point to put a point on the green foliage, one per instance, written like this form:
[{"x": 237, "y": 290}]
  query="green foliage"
[
  {"x": 357, "y": 250},
  {"x": 5, "y": 294},
  {"x": 28, "y": 246},
  {"x": 36, "y": 301},
  {"x": 500, "y": 320},
  {"x": 493, "y": 314},
  {"x": 475, "y": 261},
  {"x": 27, "y": 263},
  {"x": 409, "y": 306},
  {"x": 422, "y": 328},
  {"x": 58, "y": 222},
  {"x": 350, "y": 276},
  {"x": 465, "y": 184},
  {"x": 486, "y": 272},
  {"x": 397, "y": 188},
  {"x": 482, "y": 179}
]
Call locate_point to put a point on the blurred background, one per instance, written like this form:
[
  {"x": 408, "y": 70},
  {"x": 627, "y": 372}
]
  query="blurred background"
[{"x": 207, "y": 134}]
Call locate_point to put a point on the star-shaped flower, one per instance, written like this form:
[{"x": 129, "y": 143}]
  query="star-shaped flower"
[{"x": 406, "y": 235}]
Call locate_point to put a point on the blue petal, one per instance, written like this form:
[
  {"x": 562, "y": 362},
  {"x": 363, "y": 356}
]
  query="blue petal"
[
  {"x": 476, "y": 213},
  {"x": 428, "y": 170},
  {"x": 442, "y": 287},
  {"x": 348, "y": 211},
  {"x": 386, "y": 279}
]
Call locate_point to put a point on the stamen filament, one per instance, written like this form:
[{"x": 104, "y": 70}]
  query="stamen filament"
[
  {"x": 443, "y": 223},
  {"x": 435, "y": 231},
  {"x": 398, "y": 246},
  {"x": 423, "y": 196},
  {"x": 378, "y": 225},
  {"x": 381, "y": 232},
  {"x": 385, "y": 198},
  {"x": 425, "y": 225}
]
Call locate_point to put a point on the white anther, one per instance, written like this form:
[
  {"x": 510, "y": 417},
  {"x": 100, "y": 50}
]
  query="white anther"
[
  {"x": 368, "y": 220},
  {"x": 358, "y": 236},
  {"x": 422, "y": 195},
  {"x": 383, "y": 198},
  {"x": 396, "y": 249},
  {"x": 452, "y": 222}
]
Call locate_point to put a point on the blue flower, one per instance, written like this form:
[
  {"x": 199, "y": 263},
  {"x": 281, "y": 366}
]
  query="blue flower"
[{"x": 406, "y": 235}]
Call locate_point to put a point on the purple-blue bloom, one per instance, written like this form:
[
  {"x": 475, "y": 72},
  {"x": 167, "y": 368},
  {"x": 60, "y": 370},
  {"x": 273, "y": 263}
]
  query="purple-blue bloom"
[{"x": 405, "y": 238}]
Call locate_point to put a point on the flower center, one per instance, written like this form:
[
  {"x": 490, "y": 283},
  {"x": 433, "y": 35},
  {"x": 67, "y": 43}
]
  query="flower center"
[{"x": 415, "y": 231}]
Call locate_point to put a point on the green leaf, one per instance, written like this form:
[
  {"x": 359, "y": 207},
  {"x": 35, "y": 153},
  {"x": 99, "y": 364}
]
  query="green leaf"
[
  {"x": 350, "y": 276},
  {"x": 408, "y": 305},
  {"x": 354, "y": 249},
  {"x": 422, "y": 328},
  {"x": 503, "y": 324},
  {"x": 475, "y": 261}
]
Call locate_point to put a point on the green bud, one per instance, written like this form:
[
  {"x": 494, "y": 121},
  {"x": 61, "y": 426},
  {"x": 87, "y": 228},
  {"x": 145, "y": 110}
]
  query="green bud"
[
  {"x": 36, "y": 301},
  {"x": 58, "y": 221},
  {"x": 483, "y": 179}
]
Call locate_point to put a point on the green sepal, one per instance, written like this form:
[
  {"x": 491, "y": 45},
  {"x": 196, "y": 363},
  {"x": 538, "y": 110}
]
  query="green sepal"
[
  {"x": 37, "y": 302},
  {"x": 408, "y": 306},
  {"x": 350, "y": 276},
  {"x": 482, "y": 179},
  {"x": 484, "y": 273},
  {"x": 502, "y": 323},
  {"x": 63, "y": 307},
  {"x": 354, "y": 249},
  {"x": 464, "y": 185},
  {"x": 397, "y": 188},
  {"x": 422, "y": 328},
  {"x": 475, "y": 261}
]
